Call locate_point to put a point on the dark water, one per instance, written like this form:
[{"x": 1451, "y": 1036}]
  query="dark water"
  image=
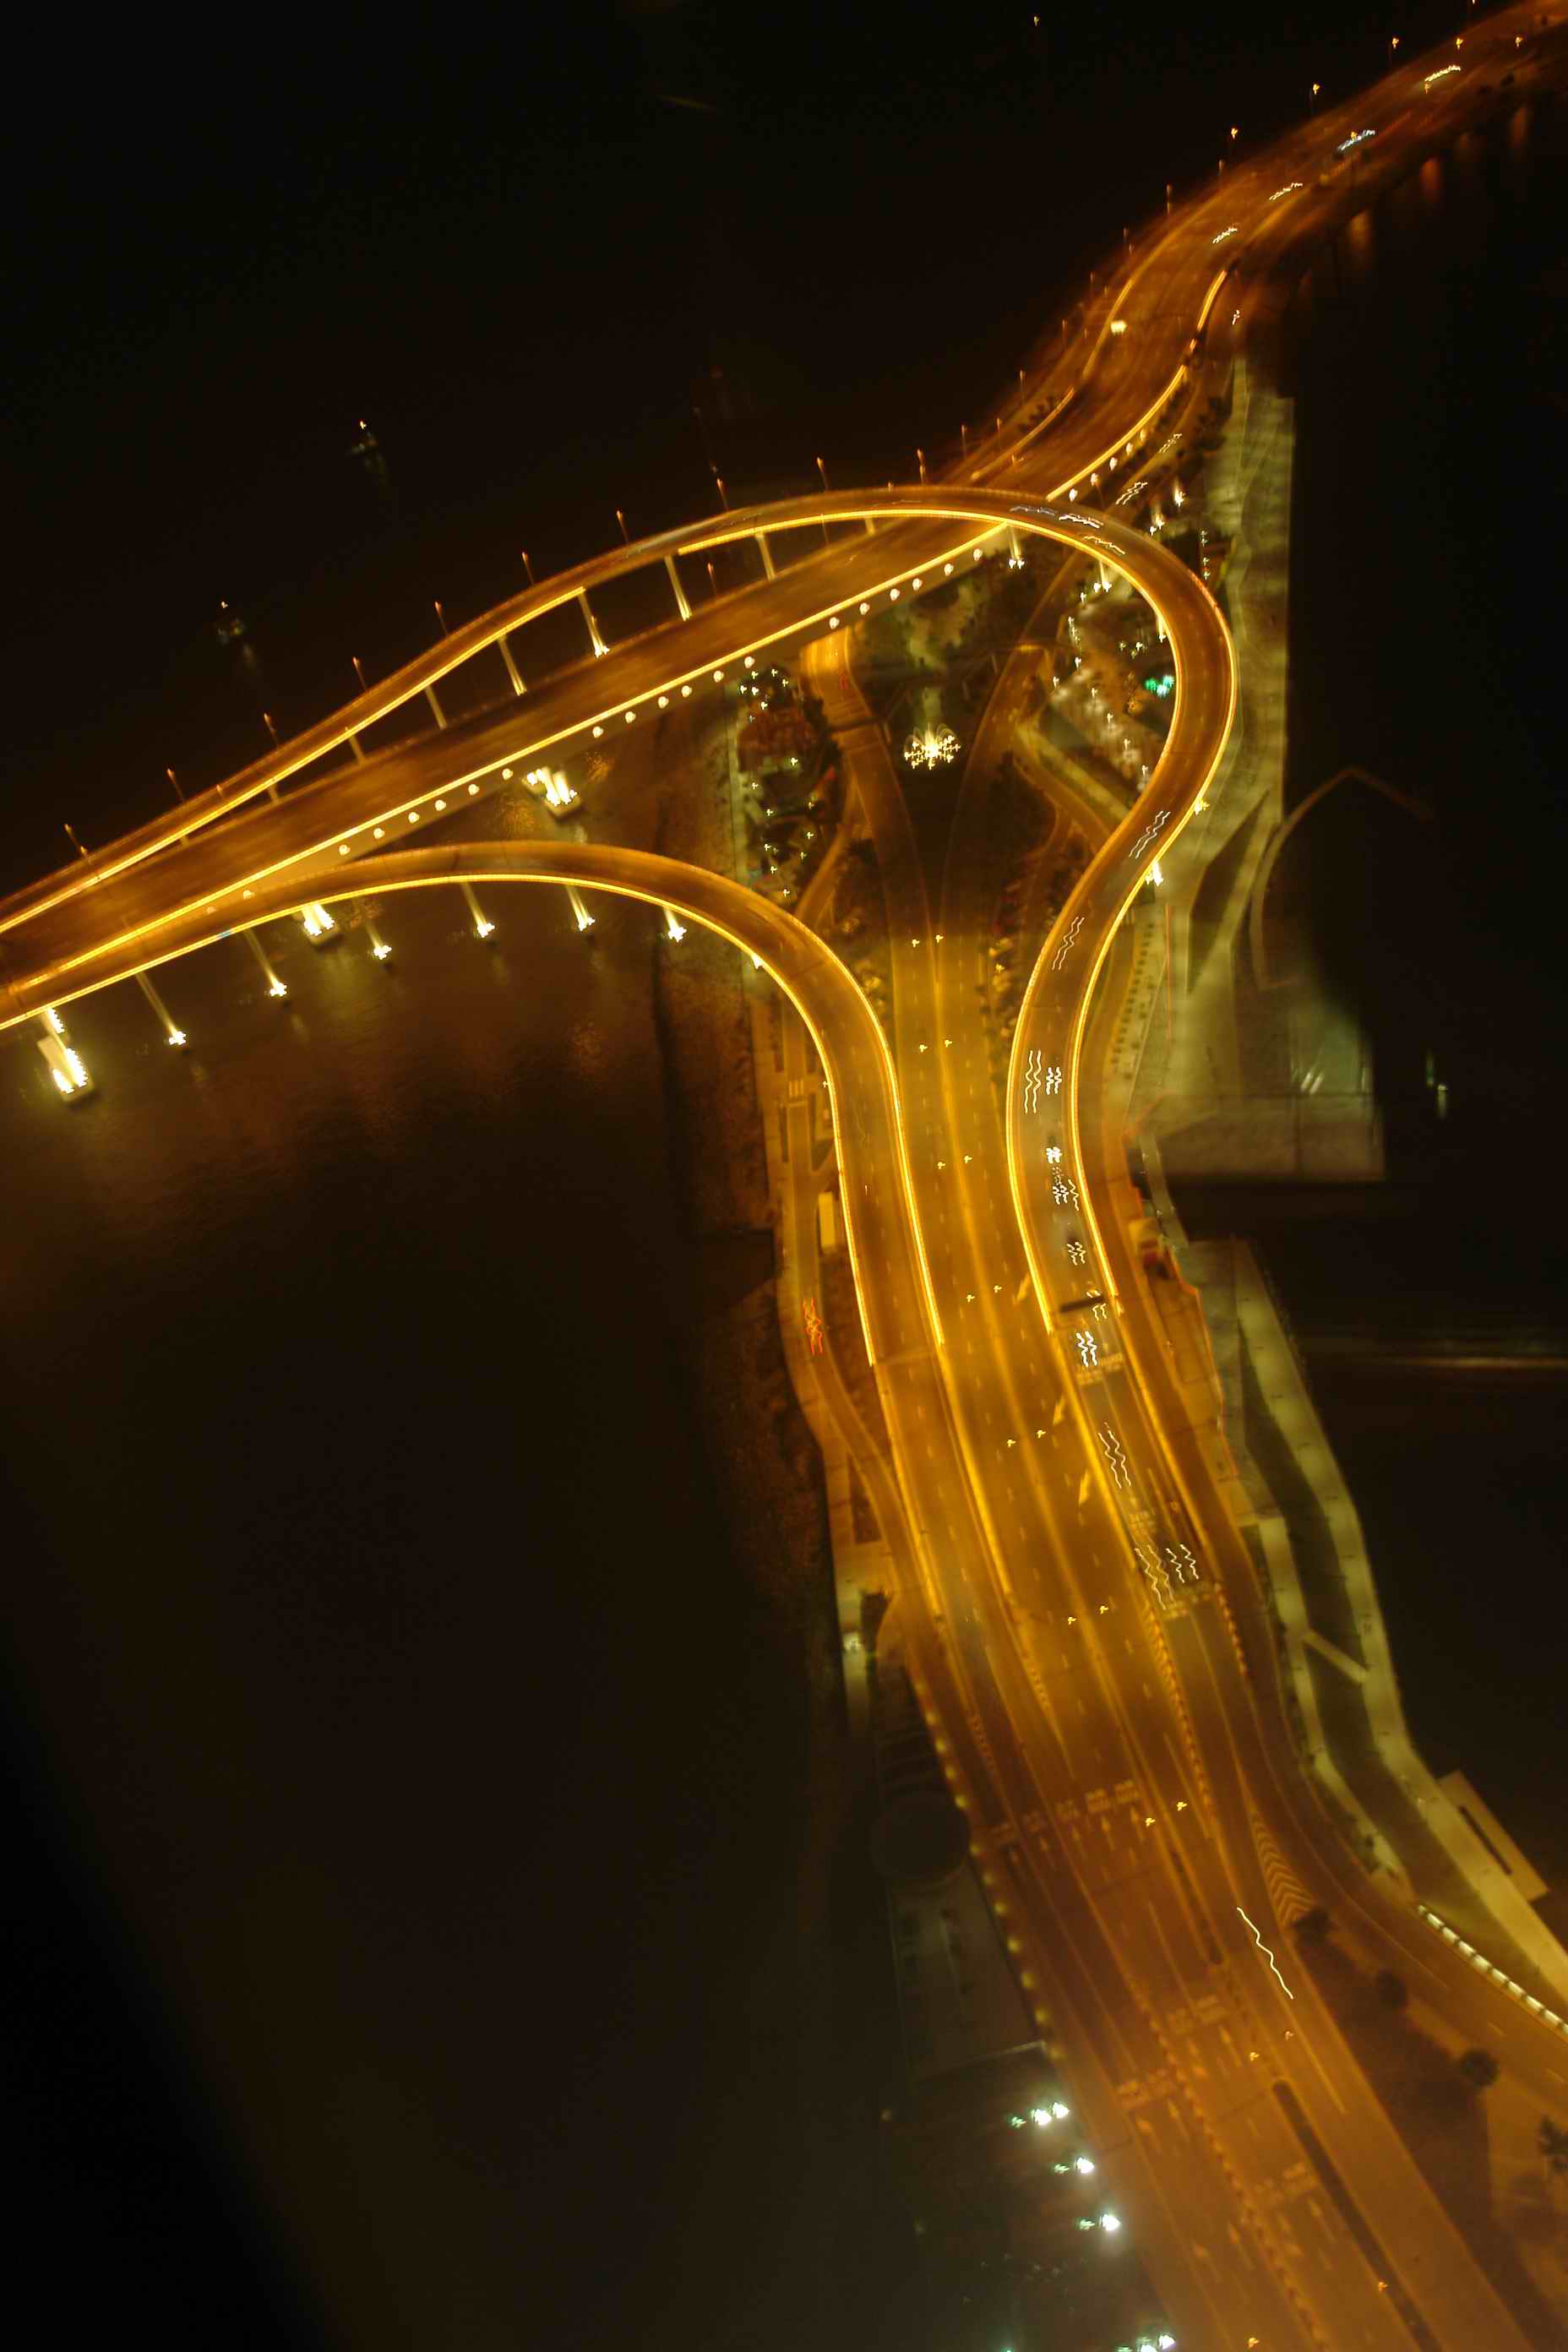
[
  {"x": 380, "y": 1640},
  {"x": 1426, "y": 633}
]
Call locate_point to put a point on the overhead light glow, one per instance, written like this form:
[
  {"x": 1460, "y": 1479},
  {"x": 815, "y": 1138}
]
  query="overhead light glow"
[{"x": 930, "y": 747}]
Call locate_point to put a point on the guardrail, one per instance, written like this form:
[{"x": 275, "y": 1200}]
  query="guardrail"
[{"x": 1484, "y": 1967}]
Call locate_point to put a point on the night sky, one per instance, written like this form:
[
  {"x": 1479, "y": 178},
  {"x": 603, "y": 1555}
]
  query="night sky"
[{"x": 518, "y": 245}]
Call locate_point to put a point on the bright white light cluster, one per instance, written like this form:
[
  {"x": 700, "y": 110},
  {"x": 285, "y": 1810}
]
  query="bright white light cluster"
[{"x": 930, "y": 747}]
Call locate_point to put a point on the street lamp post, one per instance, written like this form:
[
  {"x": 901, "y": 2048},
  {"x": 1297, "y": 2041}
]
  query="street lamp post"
[
  {"x": 719, "y": 480},
  {"x": 1312, "y": 100},
  {"x": 175, "y": 781},
  {"x": 266, "y": 720},
  {"x": 75, "y": 843},
  {"x": 625, "y": 532},
  {"x": 440, "y": 616},
  {"x": 527, "y": 565}
]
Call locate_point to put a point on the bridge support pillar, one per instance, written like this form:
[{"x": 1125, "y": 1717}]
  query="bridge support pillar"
[
  {"x": 378, "y": 946},
  {"x": 1104, "y": 575},
  {"x": 320, "y": 928},
  {"x": 766, "y": 553},
  {"x": 66, "y": 1065},
  {"x": 870, "y": 526},
  {"x": 174, "y": 1037},
  {"x": 681, "y": 606},
  {"x": 354, "y": 747},
  {"x": 482, "y": 926},
  {"x": 511, "y": 669},
  {"x": 674, "y": 928},
  {"x": 430, "y": 698},
  {"x": 1014, "y": 553},
  {"x": 274, "y": 986},
  {"x": 597, "y": 641},
  {"x": 584, "y": 919}
]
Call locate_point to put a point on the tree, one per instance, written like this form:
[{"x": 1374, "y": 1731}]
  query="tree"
[
  {"x": 1392, "y": 1990},
  {"x": 1313, "y": 1926},
  {"x": 1478, "y": 2068}
]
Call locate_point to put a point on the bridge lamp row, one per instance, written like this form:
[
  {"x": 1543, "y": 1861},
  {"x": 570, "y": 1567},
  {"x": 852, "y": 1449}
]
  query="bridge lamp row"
[
  {"x": 917, "y": 583},
  {"x": 378, "y": 832}
]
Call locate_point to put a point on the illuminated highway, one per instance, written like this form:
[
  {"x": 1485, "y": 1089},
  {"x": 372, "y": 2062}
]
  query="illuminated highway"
[{"x": 1127, "y": 1774}]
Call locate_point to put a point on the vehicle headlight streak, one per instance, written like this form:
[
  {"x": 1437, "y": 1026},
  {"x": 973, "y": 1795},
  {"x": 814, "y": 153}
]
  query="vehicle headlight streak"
[
  {"x": 1265, "y": 1952},
  {"x": 294, "y": 879},
  {"x": 984, "y": 510},
  {"x": 462, "y": 646}
]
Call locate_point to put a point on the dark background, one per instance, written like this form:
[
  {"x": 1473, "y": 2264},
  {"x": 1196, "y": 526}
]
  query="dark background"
[
  {"x": 503, "y": 242},
  {"x": 518, "y": 244}
]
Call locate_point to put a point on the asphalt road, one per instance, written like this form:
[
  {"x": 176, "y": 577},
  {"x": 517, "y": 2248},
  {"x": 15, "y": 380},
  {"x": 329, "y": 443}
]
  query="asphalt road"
[{"x": 1133, "y": 1783}]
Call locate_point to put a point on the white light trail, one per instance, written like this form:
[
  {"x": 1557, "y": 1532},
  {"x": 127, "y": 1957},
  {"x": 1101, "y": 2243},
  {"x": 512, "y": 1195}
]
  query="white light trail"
[{"x": 1267, "y": 1955}]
